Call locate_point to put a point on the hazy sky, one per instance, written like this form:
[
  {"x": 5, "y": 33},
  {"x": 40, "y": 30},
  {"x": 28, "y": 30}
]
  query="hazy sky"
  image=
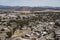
[{"x": 30, "y": 2}]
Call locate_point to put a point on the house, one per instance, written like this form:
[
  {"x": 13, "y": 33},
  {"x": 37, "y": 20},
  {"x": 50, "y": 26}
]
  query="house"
[
  {"x": 19, "y": 38},
  {"x": 3, "y": 36},
  {"x": 57, "y": 32}
]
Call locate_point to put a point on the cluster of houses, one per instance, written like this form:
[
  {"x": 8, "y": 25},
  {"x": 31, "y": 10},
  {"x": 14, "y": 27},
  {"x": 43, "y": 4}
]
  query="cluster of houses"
[
  {"x": 38, "y": 30},
  {"x": 43, "y": 31}
]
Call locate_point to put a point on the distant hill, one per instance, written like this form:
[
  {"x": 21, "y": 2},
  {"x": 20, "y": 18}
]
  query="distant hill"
[{"x": 27, "y": 8}]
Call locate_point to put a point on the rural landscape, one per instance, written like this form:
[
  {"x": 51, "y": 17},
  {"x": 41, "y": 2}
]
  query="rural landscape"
[{"x": 29, "y": 23}]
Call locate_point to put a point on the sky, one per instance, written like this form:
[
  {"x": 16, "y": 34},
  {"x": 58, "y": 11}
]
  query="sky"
[{"x": 54, "y": 3}]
